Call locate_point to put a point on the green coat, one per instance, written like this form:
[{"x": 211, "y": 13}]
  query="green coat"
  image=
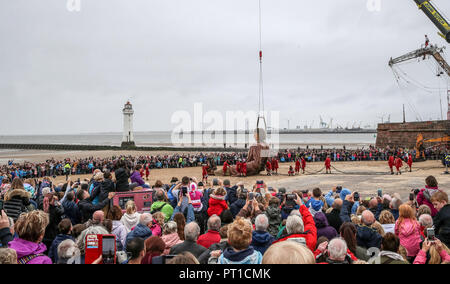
[{"x": 167, "y": 209}]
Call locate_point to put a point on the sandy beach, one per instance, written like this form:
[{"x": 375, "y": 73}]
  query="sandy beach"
[{"x": 365, "y": 177}]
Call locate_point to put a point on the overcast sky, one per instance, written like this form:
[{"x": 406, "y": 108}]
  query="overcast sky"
[{"x": 67, "y": 72}]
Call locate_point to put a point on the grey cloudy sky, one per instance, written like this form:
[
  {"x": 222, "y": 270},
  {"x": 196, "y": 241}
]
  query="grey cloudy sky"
[{"x": 67, "y": 72}]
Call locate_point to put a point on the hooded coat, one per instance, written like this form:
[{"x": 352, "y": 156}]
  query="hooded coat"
[
  {"x": 216, "y": 205},
  {"x": 53, "y": 251},
  {"x": 409, "y": 234},
  {"x": 25, "y": 248},
  {"x": 367, "y": 237},
  {"x": 119, "y": 230},
  {"x": 236, "y": 206},
  {"x": 442, "y": 224},
  {"x": 424, "y": 197},
  {"x": 261, "y": 241},
  {"x": 17, "y": 201},
  {"x": 170, "y": 240},
  {"x": 122, "y": 175},
  {"x": 323, "y": 228},
  {"x": 140, "y": 231},
  {"x": 247, "y": 256},
  {"x": 130, "y": 221}
]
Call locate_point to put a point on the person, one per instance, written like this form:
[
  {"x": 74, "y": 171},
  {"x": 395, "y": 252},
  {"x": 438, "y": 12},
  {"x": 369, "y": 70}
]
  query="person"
[
  {"x": 212, "y": 236},
  {"x": 391, "y": 163},
  {"x": 301, "y": 228},
  {"x": 337, "y": 252},
  {"x": 244, "y": 168},
  {"x": 191, "y": 233},
  {"x": 217, "y": 202},
  {"x": 315, "y": 204},
  {"x": 17, "y": 201},
  {"x": 30, "y": 228},
  {"x": 66, "y": 250},
  {"x": 65, "y": 229},
  {"x": 268, "y": 168},
  {"x": 398, "y": 165},
  {"x": 236, "y": 206},
  {"x": 425, "y": 221},
  {"x": 348, "y": 232},
  {"x": 437, "y": 250},
  {"x": 161, "y": 205},
  {"x": 6, "y": 229},
  {"x": 408, "y": 230},
  {"x": 135, "y": 250},
  {"x": 410, "y": 162},
  {"x": 333, "y": 216},
  {"x": 389, "y": 254},
  {"x": 303, "y": 164},
  {"x": 205, "y": 168},
  {"x": 118, "y": 229},
  {"x": 70, "y": 207},
  {"x": 427, "y": 41},
  {"x": 8, "y": 256},
  {"x": 122, "y": 174},
  {"x": 425, "y": 194},
  {"x": 297, "y": 166},
  {"x": 87, "y": 208},
  {"x": 275, "y": 165},
  {"x": 55, "y": 211},
  {"x": 328, "y": 165},
  {"x": 170, "y": 236},
  {"x": 288, "y": 253},
  {"x": 323, "y": 228},
  {"x": 240, "y": 252},
  {"x": 181, "y": 223},
  {"x": 291, "y": 171},
  {"x": 231, "y": 192},
  {"x": 147, "y": 171},
  {"x": 239, "y": 168},
  {"x": 184, "y": 258},
  {"x": 154, "y": 247},
  {"x": 442, "y": 219},
  {"x": 225, "y": 167},
  {"x": 261, "y": 238},
  {"x": 131, "y": 218},
  {"x": 143, "y": 229},
  {"x": 387, "y": 221},
  {"x": 137, "y": 178}
]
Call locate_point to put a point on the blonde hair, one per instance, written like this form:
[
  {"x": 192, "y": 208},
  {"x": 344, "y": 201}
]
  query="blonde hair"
[
  {"x": 386, "y": 217},
  {"x": 360, "y": 210},
  {"x": 405, "y": 212},
  {"x": 130, "y": 207},
  {"x": 288, "y": 252},
  {"x": 355, "y": 220},
  {"x": 31, "y": 226},
  {"x": 435, "y": 257},
  {"x": 359, "y": 261},
  {"x": 8, "y": 256},
  {"x": 159, "y": 217},
  {"x": 423, "y": 209},
  {"x": 240, "y": 234},
  {"x": 377, "y": 226}
]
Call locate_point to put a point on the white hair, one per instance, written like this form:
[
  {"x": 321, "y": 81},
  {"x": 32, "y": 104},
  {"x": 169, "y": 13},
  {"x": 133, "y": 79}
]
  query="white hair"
[
  {"x": 170, "y": 228},
  {"x": 191, "y": 232},
  {"x": 294, "y": 224},
  {"x": 92, "y": 230},
  {"x": 145, "y": 219},
  {"x": 337, "y": 249},
  {"x": 46, "y": 190},
  {"x": 426, "y": 220},
  {"x": 67, "y": 249},
  {"x": 214, "y": 223},
  {"x": 261, "y": 222}
]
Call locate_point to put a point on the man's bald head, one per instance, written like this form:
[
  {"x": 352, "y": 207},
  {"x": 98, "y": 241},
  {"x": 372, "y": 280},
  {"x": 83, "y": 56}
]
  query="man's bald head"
[
  {"x": 337, "y": 204},
  {"x": 98, "y": 217},
  {"x": 367, "y": 218},
  {"x": 373, "y": 203}
]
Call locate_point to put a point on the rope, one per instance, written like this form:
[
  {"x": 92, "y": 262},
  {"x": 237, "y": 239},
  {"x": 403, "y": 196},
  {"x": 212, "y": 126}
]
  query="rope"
[{"x": 261, "y": 82}]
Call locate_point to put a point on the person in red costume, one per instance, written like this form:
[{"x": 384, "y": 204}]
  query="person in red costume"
[
  {"x": 303, "y": 165},
  {"x": 398, "y": 165},
  {"x": 147, "y": 171},
  {"x": 297, "y": 166},
  {"x": 291, "y": 171},
  {"x": 328, "y": 165},
  {"x": 205, "y": 172},
  {"x": 239, "y": 168},
  {"x": 391, "y": 163},
  {"x": 275, "y": 165},
  {"x": 410, "y": 161},
  {"x": 269, "y": 168},
  {"x": 225, "y": 167},
  {"x": 244, "y": 168}
]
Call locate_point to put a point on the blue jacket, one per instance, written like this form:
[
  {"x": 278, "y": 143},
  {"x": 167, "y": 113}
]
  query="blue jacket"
[
  {"x": 261, "y": 241},
  {"x": 231, "y": 194},
  {"x": 71, "y": 211},
  {"x": 236, "y": 207},
  {"x": 53, "y": 251},
  {"x": 190, "y": 216},
  {"x": 139, "y": 231},
  {"x": 248, "y": 256}
]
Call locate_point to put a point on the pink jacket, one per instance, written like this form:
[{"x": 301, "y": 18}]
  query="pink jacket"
[
  {"x": 170, "y": 240},
  {"x": 421, "y": 257},
  {"x": 409, "y": 235}
]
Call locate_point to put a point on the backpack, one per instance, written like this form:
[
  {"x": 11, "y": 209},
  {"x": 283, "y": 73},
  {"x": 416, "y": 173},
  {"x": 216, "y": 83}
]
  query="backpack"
[
  {"x": 159, "y": 208},
  {"x": 28, "y": 258}
]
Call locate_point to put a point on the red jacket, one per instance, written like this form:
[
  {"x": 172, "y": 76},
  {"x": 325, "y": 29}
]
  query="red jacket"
[
  {"x": 208, "y": 239},
  {"x": 303, "y": 163},
  {"x": 238, "y": 167},
  {"x": 398, "y": 163},
  {"x": 244, "y": 167},
  {"x": 216, "y": 205},
  {"x": 410, "y": 160},
  {"x": 297, "y": 164},
  {"x": 274, "y": 164},
  {"x": 309, "y": 231},
  {"x": 391, "y": 161},
  {"x": 268, "y": 166},
  {"x": 205, "y": 170},
  {"x": 327, "y": 162}
]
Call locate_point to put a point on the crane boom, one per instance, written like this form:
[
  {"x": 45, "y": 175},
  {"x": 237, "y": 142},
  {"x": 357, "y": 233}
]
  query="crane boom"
[
  {"x": 432, "y": 50},
  {"x": 439, "y": 21}
]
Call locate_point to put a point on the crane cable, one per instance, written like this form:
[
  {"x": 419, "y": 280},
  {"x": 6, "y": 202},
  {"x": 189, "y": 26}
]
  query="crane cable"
[{"x": 409, "y": 103}]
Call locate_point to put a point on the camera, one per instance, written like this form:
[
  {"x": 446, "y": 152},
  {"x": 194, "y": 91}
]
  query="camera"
[
  {"x": 380, "y": 192},
  {"x": 430, "y": 234},
  {"x": 338, "y": 189},
  {"x": 356, "y": 196},
  {"x": 251, "y": 196},
  {"x": 411, "y": 196},
  {"x": 290, "y": 200}
]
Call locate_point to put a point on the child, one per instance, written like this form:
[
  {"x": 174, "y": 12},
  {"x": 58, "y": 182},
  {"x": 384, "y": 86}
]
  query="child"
[
  {"x": 205, "y": 173},
  {"x": 297, "y": 166},
  {"x": 442, "y": 218},
  {"x": 268, "y": 168},
  {"x": 303, "y": 165},
  {"x": 239, "y": 168},
  {"x": 315, "y": 204},
  {"x": 244, "y": 168},
  {"x": 275, "y": 165},
  {"x": 398, "y": 165},
  {"x": 217, "y": 202},
  {"x": 291, "y": 171},
  {"x": 273, "y": 213}
]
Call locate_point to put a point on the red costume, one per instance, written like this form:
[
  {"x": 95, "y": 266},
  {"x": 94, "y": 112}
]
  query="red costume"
[
  {"x": 398, "y": 164},
  {"x": 239, "y": 167},
  {"x": 410, "y": 161},
  {"x": 205, "y": 171},
  {"x": 328, "y": 163},
  {"x": 225, "y": 167},
  {"x": 303, "y": 165},
  {"x": 391, "y": 162},
  {"x": 244, "y": 168},
  {"x": 268, "y": 167},
  {"x": 147, "y": 171},
  {"x": 275, "y": 165},
  {"x": 297, "y": 166},
  {"x": 291, "y": 171}
]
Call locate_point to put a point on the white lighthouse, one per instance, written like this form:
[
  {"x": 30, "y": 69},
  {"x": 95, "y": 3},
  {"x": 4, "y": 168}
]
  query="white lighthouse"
[{"x": 128, "y": 137}]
